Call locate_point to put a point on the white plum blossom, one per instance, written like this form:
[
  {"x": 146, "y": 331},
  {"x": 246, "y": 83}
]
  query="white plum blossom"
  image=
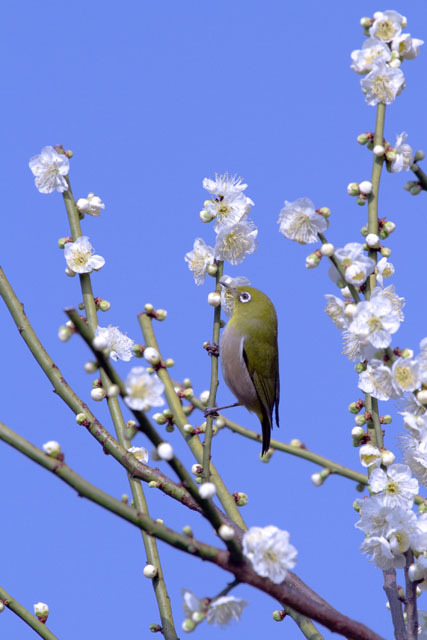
[
  {"x": 118, "y": 344},
  {"x": 52, "y": 448},
  {"x": 299, "y": 221},
  {"x": 369, "y": 455},
  {"x": 375, "y": 321},
  {"x": 191, "y": 603},
  {"x": 143, "y": 390},
  {"x": 140, "y": 453},
  {"x": 380, "y": 550},
  {"x": 230, "y": 205},
  {"x": 408, "y": 48},
  {"x": 80, "y": 258},
  {"x": 416, "y": 424},
  {"x": 396, "y": 484},
  {"x": 377, "y": 380},
  {"x": 414, "y": 450},
  {"x": 335, "y": 308},
  {"x": 236, "y": 242},
  {"x": 91, "y": 205},
  {"x": 270, "y": 552},
  {"x": 384, "y": 269},
  {"x": 389, "y": 293},
  {"x": 357, "y": 265},
  {"x": 199, "y": 259},
  {"x": 49, "y": 169},
  {"x": 356, "y": 347},
  {"x": 387, "y": 25},
  {"x": 403, "y": 154},
  {"x": 223, "y": 610},
  {"x": 382, "y": 84},
  {"x": 41, "y": 610},
  {"x": 227, "y": 298},
  {"x": 418, "y": 571},
  {"x": 422, "y": 625},
  {"x": 405, "y": 372},
  {"x": 372, "y": 50}
]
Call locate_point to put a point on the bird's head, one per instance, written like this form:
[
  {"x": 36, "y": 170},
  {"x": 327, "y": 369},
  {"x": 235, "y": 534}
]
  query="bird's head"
[{"x": 249, "y": 302}]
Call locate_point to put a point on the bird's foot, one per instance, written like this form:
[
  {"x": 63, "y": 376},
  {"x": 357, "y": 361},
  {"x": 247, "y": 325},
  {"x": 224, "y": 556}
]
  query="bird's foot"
[
  {"x": 211, "y": 412},
  {"x": 212, "y": 349}
]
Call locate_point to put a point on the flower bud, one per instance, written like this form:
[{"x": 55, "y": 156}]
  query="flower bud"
[
  {"x": 153, "y": 484},
  {"x": 207, "y": 490},
  {"x": 206, "y": 216},
  {"x": 353, "y": 189},
  {"x": 161, "y": 314},
  {"x": 41, "y": 611},
  {"x": 63, "y": 241},
  {"x": 419, "y": 155},
  {"x": 389, "y": 226},
  {"x": 90, "y": 366},
  {"x": 354, "y": 407},
  {"x": 69, "y": 272},
  {"x": 357, "y": 433},
  {"x": 350, "y": 310},
  {"x": 415, "y": 190},
  {"x": 52, "y": 448},
  {"x": 378, "y": 150},
  {"x": 226, "y": 532},
  {"x": 361, "y": 200},
  {"x": 64, "y": 333},
  {"x": 385, "y": 252},
  {"x": 372, "y": 240},
  {"x": 279, "y": 615},
  {"x": 422, "y": 396},
  {"x": 98, "y": 394},
  {"x": 188, "y": 409},
  {"x": 360, "y": 367},
  {"x": 312, "y": 261},
  {"x": 188, "y": 625},
  {"x": 387, "y": 419},
  {"x": 148, "y": 308},
  {"x": 316, "y": 479},
  {"x": 188, "y": 394},
  {"x": 204, "y": 397},
  {"x": 187, "y": 428},
  {"x": 170, "y": 428},
  {"x": 363, "y": 138},
  {"x": 99, "y": 343},
  {"x": 214, "y": 299},
  {"x": 188, "y": 531},
  {"x": 140, "y": 454},
  {"x": 212, "y": 269},
  {"x": 197, "y": 616},
  {"x": 240, "y": 498},
  {"x": 360, "y": 420},
  {"x": 152, "y": 355},
  {"x": 159, "y": 418},
  {"x": 165, "y": 451},
  {"x": 81, "y": 418},
  {"x": 169, "y": 362},
  {"x": 150, "y": 571},
  {"x": 365, "y": 22},
  {"x": 415, "y": 572},
  {"x": 407, "y": 353},
  {"x": 104, "y": 305},
  {"x": 155, "y": 628},
  {"x": 369, "y": 455},
  {"x": 365, "y": 187},
  {"x": 408, "y": 185},
  {"x": 395, "y": 63},
  {"x": 113, "y": 390},
  {"x": 324, "y": 211},
  {"x": 197, "y": 469},
  {"x": 187, "y": 383},
  {"x": 327, "y": 249},
  {"x": 387, "y": 458}
]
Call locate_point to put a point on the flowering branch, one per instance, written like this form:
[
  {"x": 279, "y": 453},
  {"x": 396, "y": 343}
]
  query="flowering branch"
[
  {"x": 150, "y": 544},
  {"x": 214, "y": 380},
  {"x": 180, "y": 420},
  {"x": 33, "y": 622}
]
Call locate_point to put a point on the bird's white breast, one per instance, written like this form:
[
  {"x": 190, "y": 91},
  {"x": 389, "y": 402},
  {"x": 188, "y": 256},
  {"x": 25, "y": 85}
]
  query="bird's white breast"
[{"x": 234, "y": 368}]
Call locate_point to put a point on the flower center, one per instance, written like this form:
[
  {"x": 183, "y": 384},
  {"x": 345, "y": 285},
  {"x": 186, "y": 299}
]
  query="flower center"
[
  {"x": 234, "y": 245},
  {"x": 374, "y": 324},
  {"x": 383, "y": 89},
  {"x": 139, "y": 389},
  {"x": 385, "y": 30},
  {"x": 404, "y": 377},
  {"x": 392, "y": 487},
  {"x": 81, "y": 257}
]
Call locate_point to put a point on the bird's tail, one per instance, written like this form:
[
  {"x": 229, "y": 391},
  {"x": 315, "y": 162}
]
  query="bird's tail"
[{"x": 267, "y": 425}]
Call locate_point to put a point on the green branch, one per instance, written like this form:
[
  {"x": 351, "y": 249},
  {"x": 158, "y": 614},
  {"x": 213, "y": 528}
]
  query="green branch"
[
  {"x": 338, "y": 266},
  {"x": 26, "y": 616},
  {"x": 181, "y": 420},
  {"x": 150, "y": 544},
  {"x": 207, "y": 444}
]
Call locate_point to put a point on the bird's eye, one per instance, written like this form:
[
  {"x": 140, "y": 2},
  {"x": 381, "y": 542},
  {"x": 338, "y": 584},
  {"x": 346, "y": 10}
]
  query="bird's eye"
[{"x": 245, "y": 296}]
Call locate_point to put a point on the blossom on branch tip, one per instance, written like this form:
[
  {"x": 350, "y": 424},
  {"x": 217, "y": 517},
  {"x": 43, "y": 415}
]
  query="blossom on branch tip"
[
  {"x": 396, "y": 484},
  {"x": 143, "y": 390},
  {"x": 299, "y": 221},
  {"x": 382, "y": 84},
  {"x": 229, "y": 205},
  {"x": 79, "y": 256},
  {"x": 91, "y": 205},
  {"x": 383, "y": 269},
  {"x": 387, "y": 25},
  {"x": 270, "y": 552},
  {"x": 407, "y": 48},
  {"x": 52, "y": 448},
  {"x": 199, "y": 260},
  {"x": 405, "y": 372},
  {"x": 49, "y": 169},
  {"x": 234, "y": 243},
  {"x": 357, "y": 266},
  {"x": 375, "y": 321},
  {"x": 117, "y": 343}
]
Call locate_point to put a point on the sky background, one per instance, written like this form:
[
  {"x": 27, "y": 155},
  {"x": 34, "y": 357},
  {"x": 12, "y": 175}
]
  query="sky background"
[{"x": 152, "y": 98}]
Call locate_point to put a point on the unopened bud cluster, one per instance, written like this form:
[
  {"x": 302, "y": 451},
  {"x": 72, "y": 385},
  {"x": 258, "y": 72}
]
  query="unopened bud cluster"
[{"x": 158, "y": 314}]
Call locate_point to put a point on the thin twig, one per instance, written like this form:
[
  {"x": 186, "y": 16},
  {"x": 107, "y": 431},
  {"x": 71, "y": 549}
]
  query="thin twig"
[{"x": 26, "y": 616}]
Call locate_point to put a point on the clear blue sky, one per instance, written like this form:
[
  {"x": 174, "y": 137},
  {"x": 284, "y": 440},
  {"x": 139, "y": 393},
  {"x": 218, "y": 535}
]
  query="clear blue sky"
[{"x": 153, "y": 97}]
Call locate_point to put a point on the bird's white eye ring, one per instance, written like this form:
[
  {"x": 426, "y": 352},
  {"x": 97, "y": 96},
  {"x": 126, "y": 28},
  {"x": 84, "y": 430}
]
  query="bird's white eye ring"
[{"x": 245, "y": 296}]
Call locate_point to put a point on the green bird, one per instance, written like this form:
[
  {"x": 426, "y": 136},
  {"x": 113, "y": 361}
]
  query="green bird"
[{"x": 250, "y": 357}]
